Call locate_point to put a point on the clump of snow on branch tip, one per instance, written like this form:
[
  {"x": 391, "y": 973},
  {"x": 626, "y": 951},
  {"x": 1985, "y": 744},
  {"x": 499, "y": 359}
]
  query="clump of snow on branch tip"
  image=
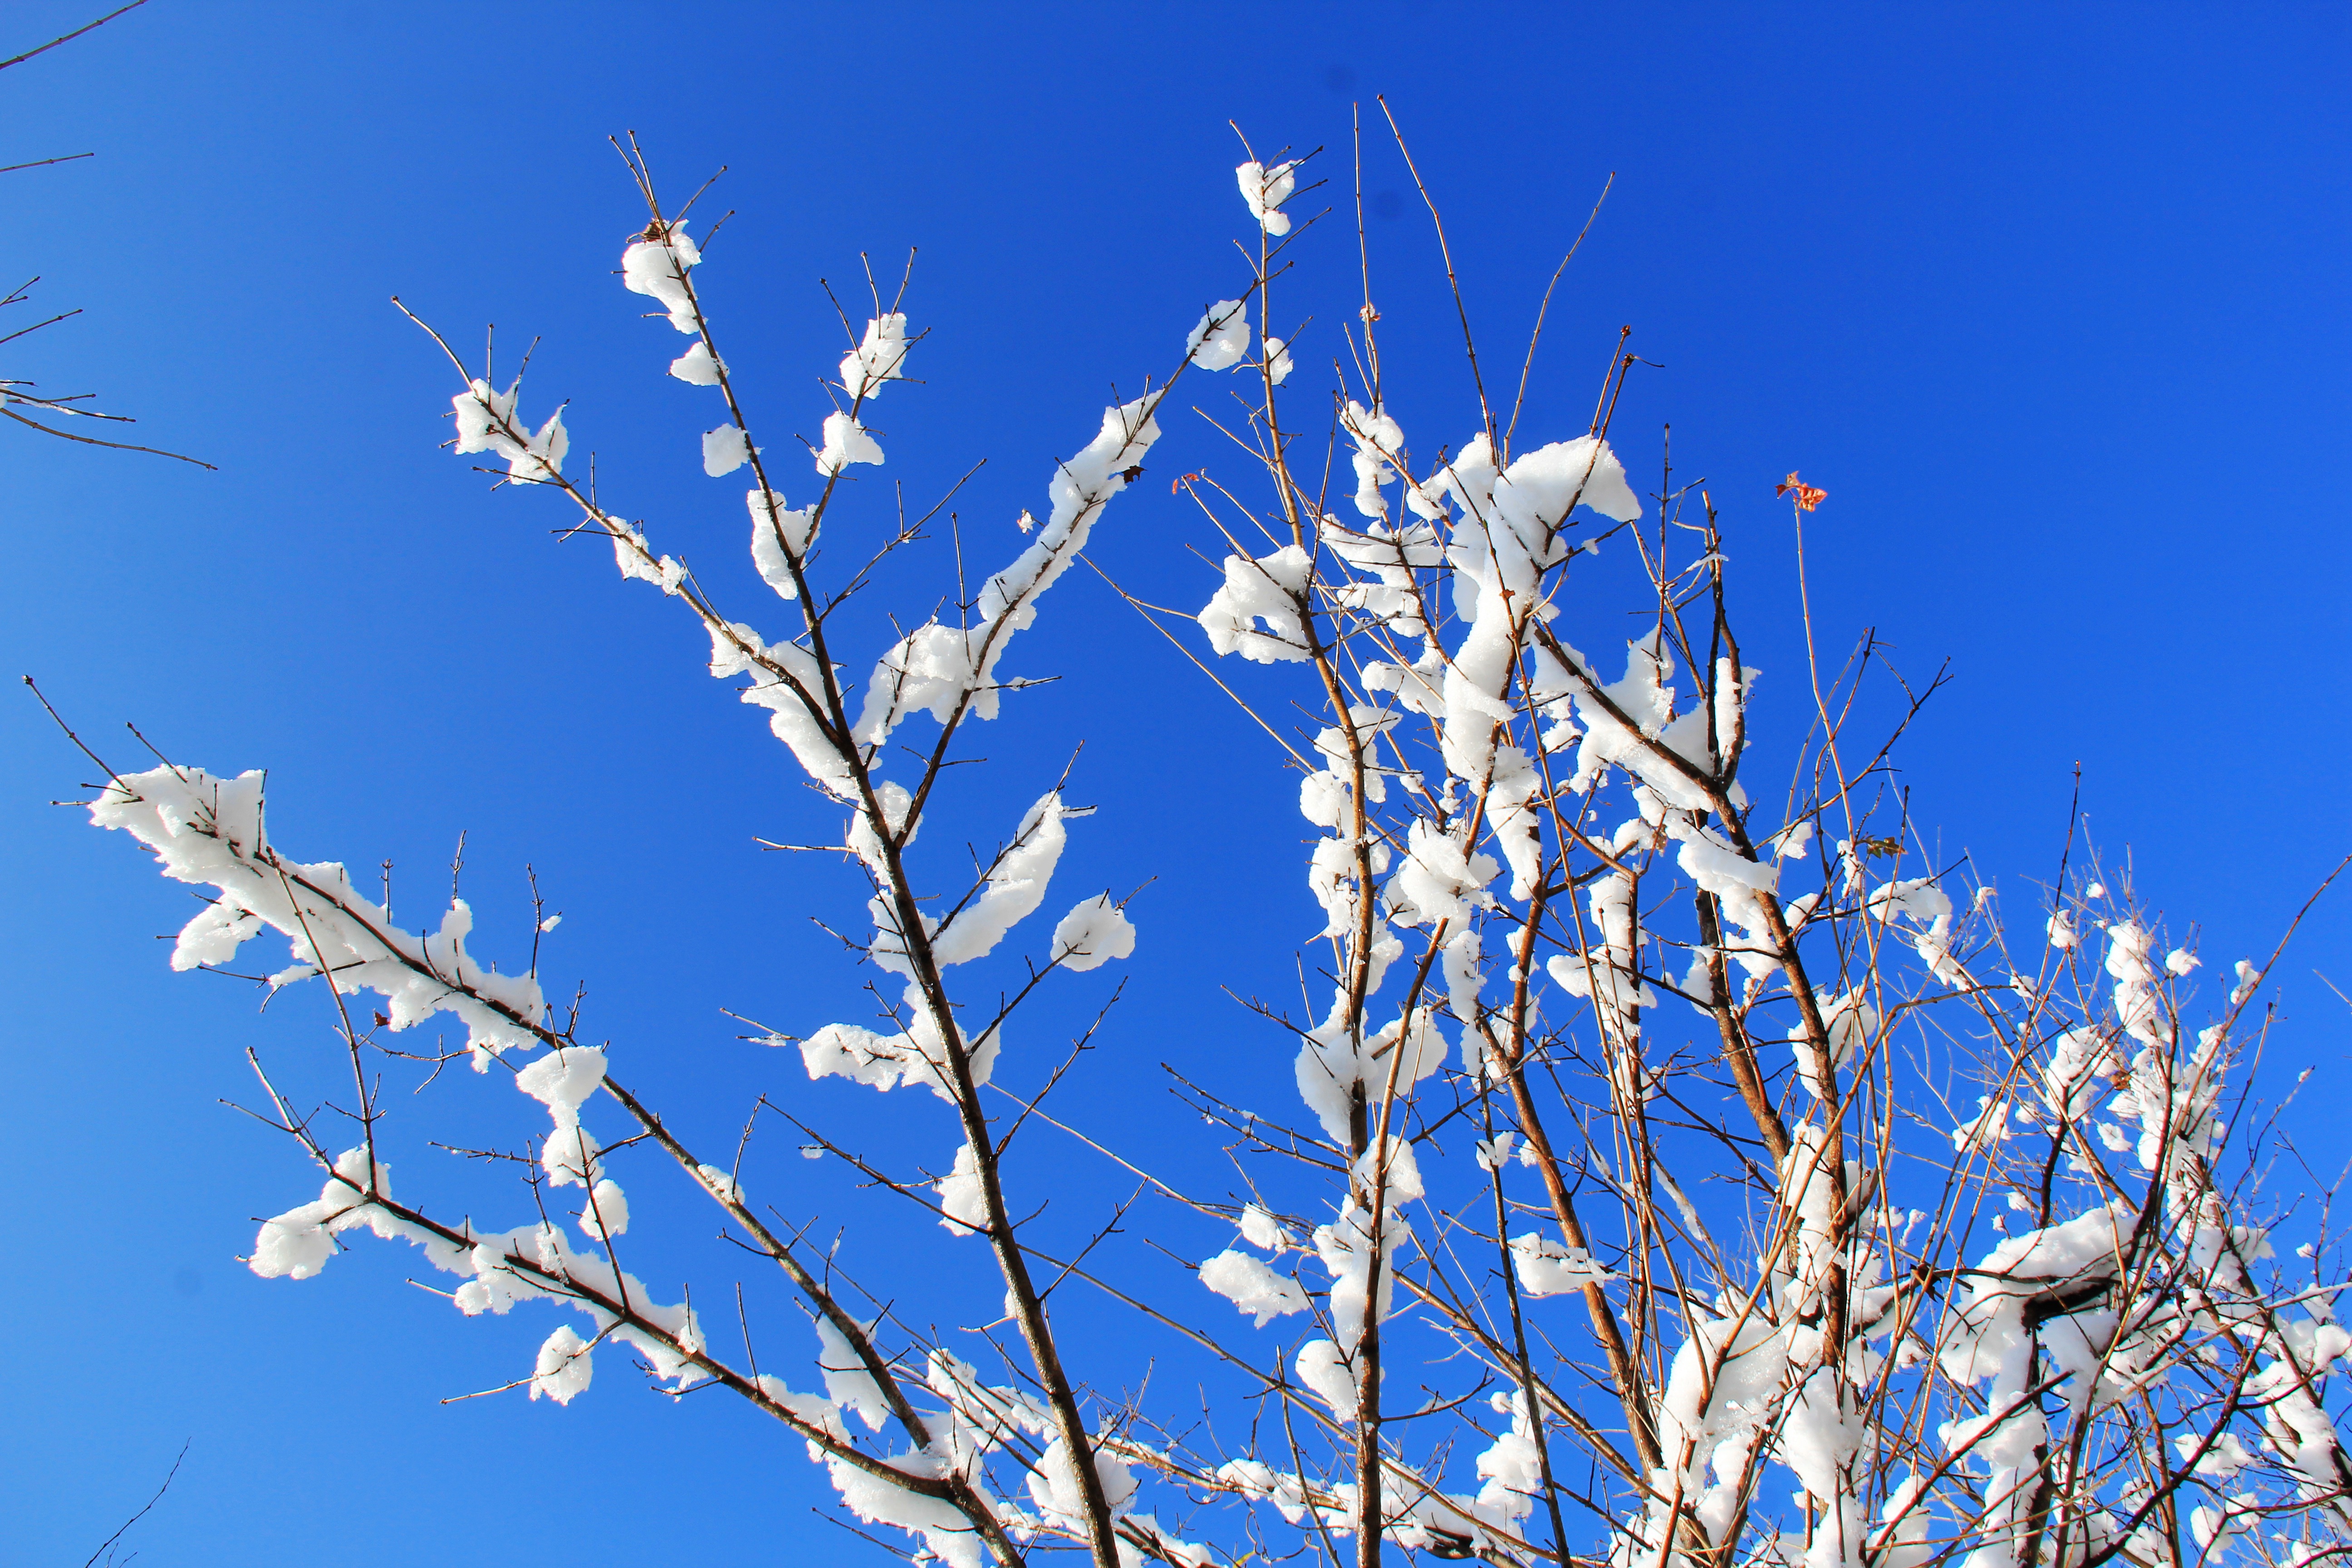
[
  {"x": 1332, "y": 1064},
  {"x": 1925, "y": 904},
  {"x": 563, "y": 1368},
  {"x": 964, "y": 1203},
  {"x": 881, "y": 357},
  {"x": 1014, "y": 887},
  {"x": 1264, "y": 592},
  {"x": 724, "y": 450},
  {"x": 1323, "y": 1368},
  {"x": 776, "y": 528},
  {"x": 894, "y": 804},
  {"x": 916, "y": 1055},
  {"x": 2138, "y": 993},
  {"x": 1549, "y": 1267},
  {"x": 1222, "y": 339},
  {"x": 1276, "y": 361},
  {"x": 657, "y": 268},
  {"x": 1261, "y": 1230},
  {"x": 1851, "y": 1023},
  {"x": 1252, "y": 1286},
  {"x": 1379, "y": 446},
  {"x": 1985, "y": 1131},
  {"x": 845, "y": 442},
  {"x": 989, "y": 1418},
  {"x": 1539, "y": 489},
  {"x": 1384, "y": 1179},
  {"x": 1512, "y": 1468},
  {"x": 1439, "y": 882},
  {"x": 697, "y": 367},
  {"x": 847, "y": 1382},
  {"x": 487, "y": 423},
  {"x": 606, "y": 1212},
  {"x": 296, "y": 1244},
  {"x": 1264, "y": 191},
  {"x": 1092, "y": 934},
  {"x": 561, "y": 1080},
  {"x": 1608, "y": 972},
  {"x": 1054, "y": 1486},
  {"x": 786, "y": 681}
]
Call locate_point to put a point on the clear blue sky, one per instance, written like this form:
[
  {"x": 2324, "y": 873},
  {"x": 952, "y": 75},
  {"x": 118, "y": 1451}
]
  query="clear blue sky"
[{"x": 2051, "y": 298}]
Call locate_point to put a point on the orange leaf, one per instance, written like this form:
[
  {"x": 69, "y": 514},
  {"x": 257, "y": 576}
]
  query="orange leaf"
[{"x": 1807, "y": 496}]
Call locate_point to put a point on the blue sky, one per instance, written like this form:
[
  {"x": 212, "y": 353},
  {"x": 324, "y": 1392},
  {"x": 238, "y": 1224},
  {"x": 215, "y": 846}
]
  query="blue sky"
[{"x": 2049, "y": 298}]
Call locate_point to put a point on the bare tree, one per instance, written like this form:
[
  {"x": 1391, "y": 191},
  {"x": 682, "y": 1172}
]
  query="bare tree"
[{"x": 1954, "y": 1231}]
